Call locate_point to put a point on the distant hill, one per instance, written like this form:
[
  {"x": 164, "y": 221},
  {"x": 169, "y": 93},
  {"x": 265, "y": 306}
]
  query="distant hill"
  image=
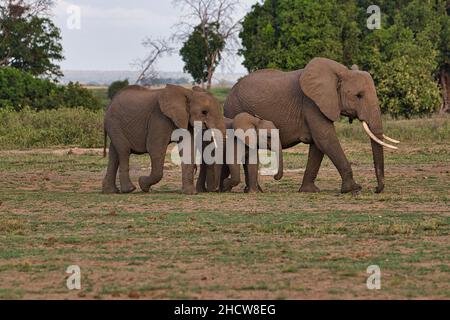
[{"x": 101, "y": 78}]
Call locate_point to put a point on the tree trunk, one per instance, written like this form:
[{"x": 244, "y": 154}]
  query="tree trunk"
[
  {"x": 211, "y": 69},
  {"x": 445, "y": 86}
]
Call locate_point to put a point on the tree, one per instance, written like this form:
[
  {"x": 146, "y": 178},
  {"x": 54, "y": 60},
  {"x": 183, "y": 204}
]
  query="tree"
[
  {"x": 116, "y": 86},
  {"x": 157, "y": 49},
  {"x": 29, "y": 39},
  {"x": 202, "y": 55},
  {"x": 287, "y": 34},
  {"x": 214, "y": 20},
  {"x": 406, "y": 57}
]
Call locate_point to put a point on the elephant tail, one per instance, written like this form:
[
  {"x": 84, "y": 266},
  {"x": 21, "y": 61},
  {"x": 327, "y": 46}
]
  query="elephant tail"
[{"x": 105, "y": 142}]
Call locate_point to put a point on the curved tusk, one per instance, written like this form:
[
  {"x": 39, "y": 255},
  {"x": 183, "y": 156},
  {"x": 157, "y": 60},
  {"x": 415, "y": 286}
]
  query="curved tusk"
[
  {"x": 374, "y": 138},
  {"x": 213, "y": 135},
  {"x": 390, "y": 139}
]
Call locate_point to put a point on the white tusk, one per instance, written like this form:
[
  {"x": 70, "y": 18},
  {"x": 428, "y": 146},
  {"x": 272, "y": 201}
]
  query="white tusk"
[
  {"x": 213, "y": 135},
  {"x": 374, "y": 138},
  {"x": 390, "y": 139}
]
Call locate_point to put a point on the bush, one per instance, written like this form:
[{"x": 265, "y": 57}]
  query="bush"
[
  {"x": 63, "y": 127},
  {"x": 20, "y": 89},
  {"x": 116, "y": 86}
]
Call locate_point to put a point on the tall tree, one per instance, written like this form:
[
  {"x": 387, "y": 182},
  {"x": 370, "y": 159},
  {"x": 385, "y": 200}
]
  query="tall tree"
[
  {"x": 406, "y": 56},
  {"x": 201, "y": 53},
  {"x": 28, "y": 38},
  {"x": 287, "y": 34},
  {"x": 214, "y": 20}
]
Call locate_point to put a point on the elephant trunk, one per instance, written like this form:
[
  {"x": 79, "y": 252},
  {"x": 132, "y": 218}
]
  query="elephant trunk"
[
  {"x": 279, "y": 174},
  {"x": 376, "y": 128},
  {"x": 215, "y": 171},
  {"x": 378, "y": 160}
]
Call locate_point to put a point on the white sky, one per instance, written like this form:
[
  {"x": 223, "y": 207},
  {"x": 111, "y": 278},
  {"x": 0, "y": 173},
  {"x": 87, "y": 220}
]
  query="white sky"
[{"x": 112, "y": 31}]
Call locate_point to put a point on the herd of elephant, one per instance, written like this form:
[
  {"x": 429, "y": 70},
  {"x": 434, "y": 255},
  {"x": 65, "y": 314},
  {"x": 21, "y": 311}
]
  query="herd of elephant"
[{"x": 303, "y": 105}]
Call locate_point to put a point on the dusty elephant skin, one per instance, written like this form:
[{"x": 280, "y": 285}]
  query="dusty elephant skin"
[
  {"x": 141, "y": 120},
  {"x": 231, "y": 173},
  {"x": 304, "y": 105},
  {"x": 224, "y": 178}
]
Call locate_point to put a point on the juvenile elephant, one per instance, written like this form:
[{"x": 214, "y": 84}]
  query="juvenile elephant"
[
  {"x": 304, "y": 105},
  {"x": 245, "y": 121},
  {"x": 231, "y": 174},
  {"x": 140, "y": 120}
]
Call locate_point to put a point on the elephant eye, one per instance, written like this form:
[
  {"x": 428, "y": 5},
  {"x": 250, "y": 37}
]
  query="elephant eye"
[
  {"x": 360, "y": 95},
  {"x": 205, "y": 112}
]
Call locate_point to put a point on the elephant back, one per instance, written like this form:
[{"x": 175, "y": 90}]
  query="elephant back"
[{"x": 271, "y": 95}]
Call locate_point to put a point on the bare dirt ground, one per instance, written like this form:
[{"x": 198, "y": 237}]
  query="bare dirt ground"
[{"x": 275, "y": 245}]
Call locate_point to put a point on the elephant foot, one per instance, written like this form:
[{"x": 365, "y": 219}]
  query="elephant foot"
[
  {"x": 127, "y": 189},
  {"x": 352, "y": 187},
  {"x": 191, "y": 190},
  {"x": 228, "y": 185},
  {"x": 110, "y": 189},
  {"x": 145, "y": 187},
  {"x": 379, "y": 188},
  {"x": 254, "y": 189},
  {"x": 309, "y": 188}
]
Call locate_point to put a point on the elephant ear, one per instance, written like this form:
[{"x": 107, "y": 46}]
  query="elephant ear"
[
  {"x": 319, "y": 81},
  {"x": 174, "y": 103},
  {"x": 245, "y": 122}
]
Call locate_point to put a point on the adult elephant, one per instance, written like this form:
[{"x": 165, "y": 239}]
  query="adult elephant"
[
  {"x": 304, "y": 105},
  {"x": 140, "y": 120}
]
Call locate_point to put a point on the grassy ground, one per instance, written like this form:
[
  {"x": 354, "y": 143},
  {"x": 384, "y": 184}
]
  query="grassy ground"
[{"x": 279, "y": 244}]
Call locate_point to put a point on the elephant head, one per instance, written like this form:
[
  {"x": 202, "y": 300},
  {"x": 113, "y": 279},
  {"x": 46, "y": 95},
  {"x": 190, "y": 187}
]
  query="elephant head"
[
  {"x": 246, "y": 121},
  {"x": 337, "y": 90},
  {"x": 184, "y": 107}
]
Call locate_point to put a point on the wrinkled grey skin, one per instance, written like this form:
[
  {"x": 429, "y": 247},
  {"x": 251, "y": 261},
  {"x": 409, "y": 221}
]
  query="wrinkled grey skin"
[
  {"x": 231, "y": 173},
  {"x": 304, "y": 105},
  {"x": 245, "y": 122},
  {"x": 140, "y": 120}
]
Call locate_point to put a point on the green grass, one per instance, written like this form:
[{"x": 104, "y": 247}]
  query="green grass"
[
  {"x": 279, "y": 244},
  {"x": 84, "y": 128}
]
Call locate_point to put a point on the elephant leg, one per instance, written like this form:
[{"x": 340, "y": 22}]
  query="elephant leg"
[
  {"x": 234, "y": 179},
  {"x": 109, "y": 182},
  {"x": 201, "y": 181},
  {"x": 123, "y": 149},
  {"x": 325, "y": 138},
  {"x": 126, "y": 186},
  {"x": 211, "y": 178},
  {"x": 224, "y": 175},
  {"x": 253, "y": 185},
  {"x": 315, "y": 158},
  {"x": 251, "y": 172},
  {"x": 157, "y": 150},
  {"x": 156, "y": 174},
  {"x": 187, "y": 172}
]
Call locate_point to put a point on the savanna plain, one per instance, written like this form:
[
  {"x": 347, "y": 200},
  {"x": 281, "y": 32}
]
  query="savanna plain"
[{"x": 275, "y": 245}]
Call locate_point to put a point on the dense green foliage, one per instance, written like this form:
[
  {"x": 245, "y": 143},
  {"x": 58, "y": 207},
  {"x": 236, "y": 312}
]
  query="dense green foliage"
[
  {"x": 201, "y": 52},
  {"x": 20, "y": 89},
  {"x": 63, "y": 127},
  {"x": 404, "y": 56},
  {"x": 29, "y": 128},
  {"x": 30, "y": 43},
  {"x": 116, "y": 86}
]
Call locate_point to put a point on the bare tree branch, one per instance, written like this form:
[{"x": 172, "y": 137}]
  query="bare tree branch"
[
  {"x": 157, "y": 49},
  {"x": 210, "y": 12}
]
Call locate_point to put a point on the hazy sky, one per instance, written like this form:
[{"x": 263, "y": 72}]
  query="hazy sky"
[{"x": 112, "y": 31}]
